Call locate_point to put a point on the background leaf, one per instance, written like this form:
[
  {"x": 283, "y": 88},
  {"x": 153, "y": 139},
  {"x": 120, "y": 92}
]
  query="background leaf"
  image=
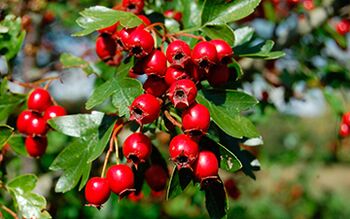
[
  {"x": 70, "y": 61},
  {"x": 178, "y": 182},
  {"x": 215, "y": 199},
  {"x": 222, "y": 31},
  {"x": 243, "y": 35},
  {"x": 5, "y": 134}
]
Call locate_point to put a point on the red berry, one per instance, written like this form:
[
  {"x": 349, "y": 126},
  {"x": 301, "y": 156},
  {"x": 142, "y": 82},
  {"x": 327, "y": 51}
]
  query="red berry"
[
  {"x": 105, "y": 47},
  {"x": 133, "y": 6},
  {"x": 97, "y": 191},
  {"x": 183, "y": 150},
  {"x": 344, "y": 130},
  {"x": 218, "y": 75},
  {"x": 182, "y": 93},
  {"x": 156, "y": 177},
  {"x": 35, "y": 146},
  {"x": 144, "y": 19},
  {"x": 176, "y": 15},
  {"x": 155, "y": 64},
  {"x": 120, "y": 179},
  {"x": 232, "y": 189},
  {"x": 135, "y": 197},
  {"x": 39, "y": 100},
  {"x": 122, "y": 36},
  {"x": 206, "y": 166},
  {"x": 173, "y": 74},
  {"x": 144, "y": 109},
  {"x": 23, "y": 120},
  {"x": 178, "y": 53},
  {"x": 54, "y": 111},
  {"x": 155, "y": 86},
  {"x": 36, "y": 126},
  {"x": 346, "y": 118},
  {"x": 109, "y": 30},
  {"x": 140, "y": 43},
  {"x": 137, "y": 147},
  {"x": 343, "y": 27},
  {"x": 196, "y": 119},
  {"x": 223, "y": 50},
  {"x": 204, "y": 55},
  {"x": 195, "y": 72}
]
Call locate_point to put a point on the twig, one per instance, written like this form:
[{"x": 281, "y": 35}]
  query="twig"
[
  {"x": 13, "y": 214},
  {"x": 171, "y": 119},
  {"x": 201, "y": 38}
]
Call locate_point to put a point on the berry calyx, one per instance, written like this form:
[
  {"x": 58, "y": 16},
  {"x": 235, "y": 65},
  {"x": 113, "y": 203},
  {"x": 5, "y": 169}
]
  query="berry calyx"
[
  {"x": 35, "y": 146},
  {"x": 182, "y": 93},
  {"x": 105, "y": 47},
  {"x": 144, "y": 109},
  {"x": 97, "y": 191},
  {"x": 36, "y": 126},
  {"x": 156, "y": 177},
  {"x": 120, "y": 179},
  {"x": 173, "y": 74},
  {"x": 206, "y": 166},
  {"x": 183, "y": 151},
  {"x": 178, "y": 53},
  {"x": 133, "y": 6},
  {"x": 54, "y": 111},
  {"x": 223, "y": 49},
  {"x": 39, "y": 100},
  {"x": 155, "y": 64},
  {"x": 137, "y": 147},
  {"x": 155, "y": 86},
  {"x": 196, "y": 119},
  {"x": 23, "y": 120},
  {"x": 140, "y": 43},
  {"x": 204, "y": 55}
]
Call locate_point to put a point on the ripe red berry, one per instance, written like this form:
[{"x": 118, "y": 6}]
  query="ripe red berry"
[
  {"x": 140, "y": 43},
  {"x": 195, "y": 72},
  {"x": 144, "y": 109},
  {"x": 122, "y": 36},
  {"x": 133, "y": 6},
  {"x": 105, "y": 47},
  {"x": 206, "y": 166},
  {"x": 344, "y": 130},
  {"x": 135, "y": 197},
  {"x": 183, "y": 151},
  {"x": 156, "y": 177},
  {"x": 176, "y": 15},
  {"x": 36, "y": 126},
  {"x": 155, "y": 86},
  {"x": 144, "y": 19},
  {"x": 137, "y": 147},
  {"x": 178, "y": 53},
  {"x": 97, "y": 191},
  {"x": 35, "y": 146},
  {"x": 343, "y": 27},
  {"x": 23, "y": 120},
  {"x": 182, "y": 93},
  {"x": 204, "y": 55},
  {"x": 346, "y": 118},
  {"x": 155, "y": 64},
  {"x": 120, "y": 179},
  {"x": 173, "y": 74},
  {"x": 39, "y": 100},
  {"x": 196, "y": 119},
  {"x": 109, "y": 30},
  {"x": 218, "y": 75},
  {"x": 223, "y": 50},
  {"x": 54, "y": 111}
]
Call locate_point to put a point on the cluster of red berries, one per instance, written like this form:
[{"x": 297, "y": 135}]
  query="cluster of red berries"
[
  {"x": 343, "y": 26},
  {"x": 344, "y": 129},
  {"x": 33, "y": 121}
]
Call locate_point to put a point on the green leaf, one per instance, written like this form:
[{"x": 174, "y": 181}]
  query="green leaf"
[
  {"x": 334, "y": 101},
  {"x": 228, "y": 161},
  {"x": 243, "y": 35},
  {"x": 215, "y": 200},
  {"x": 238, "y": 69},
  {"x": 261, "y": 50},
  {"x": 98, "y": 17},
  {"x": 178, "y": 182},
  {"x": 191, "y": 11},
  {"x": 16, "y": 143},
  {"x": 221, "y": 31},
  {"x": 30, "y": 205},
  {"x": 5, "y": 134},
  {"x": 70, "y": 61},
  {"x": 222, "y": 12},
  {"x": 225, "y": 106}
]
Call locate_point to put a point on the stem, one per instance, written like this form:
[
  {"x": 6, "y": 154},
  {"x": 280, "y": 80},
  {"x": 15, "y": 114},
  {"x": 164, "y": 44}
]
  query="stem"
[
  {"x": 116, "y": 150},
  {"x": 171, "y": 119},
  {"x": 201, "y": 38},
  {"x": 13, "y": 214},
  {"x": 189, "y": 30}
]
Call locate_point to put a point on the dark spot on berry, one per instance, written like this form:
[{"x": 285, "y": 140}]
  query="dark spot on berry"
[
  {"x": 182, "y": 159},
  {"x": 204, "y": 64},
  {"x": 131, "y": 7},
  {"x": 178, "y": 56},
  {"x": 138, "y": 113},
  {"x": 136, "y": 50},
  {"x": 180, "y": 94}
]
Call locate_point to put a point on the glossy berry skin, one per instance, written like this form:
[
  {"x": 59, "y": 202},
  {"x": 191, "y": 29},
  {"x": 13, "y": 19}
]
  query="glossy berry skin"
[
  {"x": 182, "y": 93},
  {"x": 144, "y": 109},
  {"x": 156, "y": 177},
  {"x": 54, "y": 111},
  {"x": 109, "y": 30},
  {"x": 140, "y": 43},
  {"x": 176, "y": 15},
  {"x": 183, "y": 151},
  {"x": 120, "y": 179},
  {"x": 346, "y": 118},
  {"x": 178, "y": 53},
  {"x": 36, "y": 126},
  {"x": 196, "y": 118},
  {"x": 97, "y": 191},
  {"x": 343, "y": 27},
  {"x": 218, "y": 75},
  {"x": 105, "y": 47},
  {"x": 39, "y": 100},
  {"x": 155, "y": 64},
  {"x": 144, "y": 19},
  {"x": 133, "y": 6},
  {"x": 344, "y": 130},
  {"x": 122, "y": 36},
  {"x": 35, "y": 146},
  {"x": 223, "y": 49},
  {"x": 206, "y": 165},
  {"x": 195, "y": 72},
  {"x": 23, "y": 120},
  {"x": 173, "y": 74},
  {"x": 137, "y": 147},
  {"x": 135, "y": 197},
  {"x": 155, "y": 86},
  {"x": 204, "y": 55}
]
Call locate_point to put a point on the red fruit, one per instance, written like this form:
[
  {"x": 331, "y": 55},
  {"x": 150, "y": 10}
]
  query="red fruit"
[
  {"x": 183, "y": 151},
  {"x": 137, "y": 147},
  {"x": 218, "y": 75},
  {"x": 39, "y": 100},
  {"x": 232, "y": 189},
  {"x": 35, "y": 146},
  {"x": 105, "y": 47},
  {"x": 178, "y": 53},
  {"x": 343, "y": 27},
  {"x": 173, "y": 74},
  {"x": 133, "y": 6},
  {"x": 144, "y": 19},
  {"x": 23, "y": 120},
  {"x": 54, "y": 111},
  {"x": 156, "y": 177},
  {"x": 308, "y": 4},
  {"x": 155, "y": 86},
  {"x": 344, "y": 130},
  {"x": 97, "y": 191},
  {"x": 155, "y": 64},
  {"x": 223, "y": 50},
  {"x": 195, "y": 72},
  {"x": 206, "y": 166},
  {"x": 196, "y": 119},
  {"x": 109, "y": 30},
  {"x": 204, "y": 55},
  {"x": 135, "y": 197},
  {"x": 36, "y": 126},
  {"x": 140, "y": 43},
  {"x": 176, "y": 15},
  {"x": 144, "y": 109},
  {"x": 120, "y": 179},
  {"x": 346, "y": 118},
  {"x": 123, "y": 36},
  {"x": 182, "y": 93}
]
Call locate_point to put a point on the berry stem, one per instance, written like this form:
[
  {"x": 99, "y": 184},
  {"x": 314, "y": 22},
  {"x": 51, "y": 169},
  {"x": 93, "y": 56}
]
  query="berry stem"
[
  {"x": 201, "y": 38},
  {"x": 171, "y": 119},
  {"x": 116, "y": 150},
  {"x": 13, "y": 214}
]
